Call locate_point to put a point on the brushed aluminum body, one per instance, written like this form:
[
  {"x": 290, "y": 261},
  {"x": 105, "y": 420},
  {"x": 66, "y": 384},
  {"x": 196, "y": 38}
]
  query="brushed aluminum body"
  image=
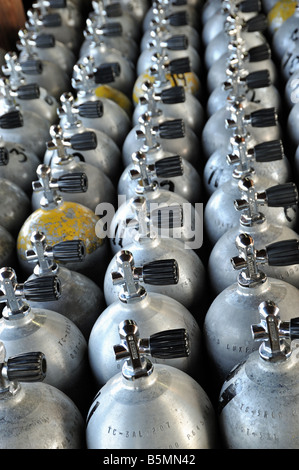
[
  {"x": 191, "y": 287},
  {"x": 166, "y": 410}
]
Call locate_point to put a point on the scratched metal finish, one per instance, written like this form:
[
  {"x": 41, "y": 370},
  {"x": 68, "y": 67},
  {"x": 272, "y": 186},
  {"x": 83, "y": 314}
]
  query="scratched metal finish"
[
  {"x": 69, "y": 221},
  {"x": 259, "y": 404},
  {"x": 166, "y": 410}
]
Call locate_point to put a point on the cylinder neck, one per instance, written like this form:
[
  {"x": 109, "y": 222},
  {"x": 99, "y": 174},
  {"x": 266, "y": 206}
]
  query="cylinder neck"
[
  {"x": 12, "y": 295},
  {"x": 275, "y": 346},
  {"x": 249, "y": 205},
  {"x": 50, "y": 198},
  {"x": 248, "y": 262},
  {"x": 127, "y": 276}
]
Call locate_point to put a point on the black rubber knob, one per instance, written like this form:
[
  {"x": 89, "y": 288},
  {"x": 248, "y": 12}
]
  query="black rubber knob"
[
  {"x": 178, "y": 19},
  {"x": 112, "y": 29},
  {"x": 283, "y": 253},
  {"x": 69, "y": 250},
  {"x": 294, "y": 328},
  {"x": 249, "y": 6},
  {"x": 169, "y": 167},
  {"x": 177, "y": 43},
  {"x": 173, "y": 95},
  {"x": 31, "y": 91},
  {"x": 52, "y": 20},
  {"x": 269, "y": 151},
  {"x": 282, "y": 195},
  {"x": 11, "y": 120},
  {"x": 173, "y": 129},
  {"x": 257, "y": 23},
  {"x": 43, "y": 41},
  {"x": 91, "y": 109},
  {"x": 180, "y": 66},
  {"x": 266, "y": 117},
  {"x": 84, "y": 141},
  {"x": 161, "y": 272},
  {"x": 4, "y": 156},
  {"x": 114, "y": 10},
  {"x": 170, "y": 344},
  {"x": 258, "y": 79},
  {"x": 44, "y": 288},
  {"x": 107, "y": 72},
  {"x": 58, "y": 3},
  {"x": 32, "y": 67},
  {"x": 73, "y": 183},
  {"x": 259, "y": 53},
  {"x": 27, "y": 367}
]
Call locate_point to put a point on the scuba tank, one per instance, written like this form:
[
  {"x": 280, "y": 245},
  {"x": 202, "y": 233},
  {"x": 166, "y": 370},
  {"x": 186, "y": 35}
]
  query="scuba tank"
[
  {"x": 63, "y": 220},
  {"x": 35, "y": 415},
  {"x": 103, "y": 113},
  {"x": 165, "y": 73},
  {"x": 159, "y": 138},
  {"x": 254, "y": 222},
  {"x": 227, "y": 323},
  {"x": 254, "y": 86},
  {"x": 170, "y": 48},
  {"x": 163, "y": 397},
  {"x": 91, "y": 145},
  {"x": 170, "y": 103},
  {"x": 18, "y": 165},
  {"x": 174, "y": 23},
  {"x": 104, "y": 82},
  {"x": 22, "y": 127},
  {"x": 126, "y": 74},
  {"x": 52, "y": 23},
  {"x": 267, "y": 158},
  {"x": 67, "y": 9},
  {"x": 100, "y": 188},
  {"x": 30, "y": 96},
  {"x": 122, "y": 227},
  {"x": 81, "y": 300},
  {"x": 253, "y": 59},
  {"x": 236, "y": 32},
  {"x": 146, "y": 246},
  {"x": 220, "y": 214},
  {"x": 47, "y": 47},
  {"x": 112, "y": 35},
  {"x": 172, "y": 172},
  {"x": 267, "y": 381},
  {"x": 104, "y": 12},
  {"x": 28, "y": 328},
  {"x": 150, "y": 309},
  {"x": 170, "y": 7},
  {"x": 243, "y": 118},
  {"x": 216, "y": 22},
  {"x": 44, "y": 73}
]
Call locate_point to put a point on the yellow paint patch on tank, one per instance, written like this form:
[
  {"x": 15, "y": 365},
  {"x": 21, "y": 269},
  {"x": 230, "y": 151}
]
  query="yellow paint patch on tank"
[
  {"x": 188, "y": 80},
  {"x": 105, "y": 91},
  {"x": 280, "y": 13},
  {"x": 68, "y": 221}
]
